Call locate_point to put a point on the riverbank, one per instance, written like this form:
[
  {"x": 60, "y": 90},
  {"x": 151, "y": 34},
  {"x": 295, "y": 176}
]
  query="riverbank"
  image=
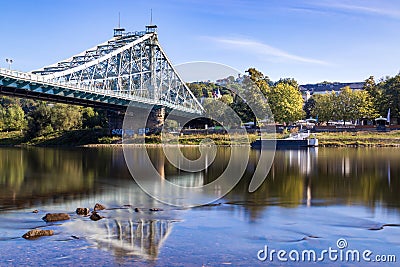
[
  {"x": 60, "y": 138},
  {"x": 359, "y": 139},
  {"x": 100, "y": 137}
]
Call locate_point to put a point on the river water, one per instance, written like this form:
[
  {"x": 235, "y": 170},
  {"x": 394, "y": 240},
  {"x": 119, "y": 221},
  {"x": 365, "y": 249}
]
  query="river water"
[{"x": 342, "y": 204}]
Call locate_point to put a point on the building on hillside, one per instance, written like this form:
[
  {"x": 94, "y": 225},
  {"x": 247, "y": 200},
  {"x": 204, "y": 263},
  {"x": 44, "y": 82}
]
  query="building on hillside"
[
  {"x": 231, "y": 80},
  {"x": 308, "y": 90}
]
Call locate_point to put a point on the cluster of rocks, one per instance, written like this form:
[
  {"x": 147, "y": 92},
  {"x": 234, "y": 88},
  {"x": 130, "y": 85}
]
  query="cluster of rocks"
[
  {"x": 53, "y": 217},
  {"x": 83, "y": 211},
  {"x": 94, "y": 216}
]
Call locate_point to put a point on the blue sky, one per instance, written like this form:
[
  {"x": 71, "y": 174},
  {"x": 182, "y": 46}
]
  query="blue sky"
[{"x": 309, "y": 40}]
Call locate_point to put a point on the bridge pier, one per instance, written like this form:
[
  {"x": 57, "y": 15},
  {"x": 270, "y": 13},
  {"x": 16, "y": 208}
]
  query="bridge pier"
[
  {"x": 115, "y": 119},
  {"x": 156, "y": 119}
]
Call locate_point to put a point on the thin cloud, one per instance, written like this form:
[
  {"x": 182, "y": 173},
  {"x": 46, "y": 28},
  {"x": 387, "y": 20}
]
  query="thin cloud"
[
  {"x": 361, "y": 7},
  {"x": 263, "y": 50}
]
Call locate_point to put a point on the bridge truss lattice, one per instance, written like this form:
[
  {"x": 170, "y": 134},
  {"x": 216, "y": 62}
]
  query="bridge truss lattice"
[{"x": 132, "y": 65}]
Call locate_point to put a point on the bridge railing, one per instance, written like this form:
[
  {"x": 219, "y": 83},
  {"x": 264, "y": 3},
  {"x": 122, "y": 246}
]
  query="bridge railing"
[{"x": 24, "y": 75}]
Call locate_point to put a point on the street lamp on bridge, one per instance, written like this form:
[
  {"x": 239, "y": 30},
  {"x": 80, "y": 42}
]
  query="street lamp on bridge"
[{"x": 9, "y": 61}]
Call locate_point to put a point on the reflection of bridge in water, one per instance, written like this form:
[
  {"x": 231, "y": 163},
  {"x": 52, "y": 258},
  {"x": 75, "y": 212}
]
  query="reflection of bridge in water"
[
  {"x": 143, "y": 237},
  {"x": 123, "y": 231}
]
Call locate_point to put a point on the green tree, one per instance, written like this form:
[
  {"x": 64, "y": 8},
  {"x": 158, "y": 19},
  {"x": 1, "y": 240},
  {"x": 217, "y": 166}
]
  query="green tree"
[
  {"x": 39, "y": 120},
  {"x": 92, "y": 118},
  {"x": 249, "y": 97},
  {"x": 286, "y": 103},
  {"x": 324, "y": 105},
  {"x": 255, "y": 94},
  {"x": 365, "y": 107},
  {"x": 66, "y": 117},
  {"x": 346, "y": 107},
  {"x": 196, "y": 89},
  {"x": 14, "y": 118},
  {"x": 2, "y": 116},
  {"x": 242, "y": 109},
  {"x": 212, "y": 108},
  {"x": 289, "y": 81},
  {"x": 391, "y": 96},
  {"x": 6, "y": 101},
  {"x": 309, "y": 107},
  {"x": 375, "y": 93},
  {"x": 220, "y": 111},
  {"x": 353, "y": 105},
  {"x": 227, "y": 99},
  {"x": 260, "y": 80}
]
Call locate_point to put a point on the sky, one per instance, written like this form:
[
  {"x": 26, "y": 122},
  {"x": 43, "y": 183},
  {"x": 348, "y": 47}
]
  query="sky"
[{"x": 308, "y": 40}]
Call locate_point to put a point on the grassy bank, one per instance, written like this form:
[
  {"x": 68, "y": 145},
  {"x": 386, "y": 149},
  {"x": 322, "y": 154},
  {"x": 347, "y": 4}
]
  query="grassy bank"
[
  {"x": 100, "y": 137},
  {"x": 359, "y": 139},
  {"x": 61, "y": 138},
  {"x": 196, "y": 139},
  {"x": 11, "y": 138}
]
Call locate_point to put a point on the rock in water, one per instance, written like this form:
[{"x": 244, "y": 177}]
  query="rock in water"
[
  {"x": 155, "y": 209},
  {"x": 82, "y": 211},
  {"x": 99, "y": 207},
  {"x": 32, "y": 234},
  {"x": 95, "y": 216},
  {"x": 53, "y": 217}
]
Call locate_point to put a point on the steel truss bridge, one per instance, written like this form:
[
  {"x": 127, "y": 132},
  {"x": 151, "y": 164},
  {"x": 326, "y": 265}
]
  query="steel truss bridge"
[{"x": 130, "y": 68}]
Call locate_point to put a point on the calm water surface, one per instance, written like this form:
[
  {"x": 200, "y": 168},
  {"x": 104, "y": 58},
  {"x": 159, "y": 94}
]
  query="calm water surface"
[{"x": 310, "y": 199}]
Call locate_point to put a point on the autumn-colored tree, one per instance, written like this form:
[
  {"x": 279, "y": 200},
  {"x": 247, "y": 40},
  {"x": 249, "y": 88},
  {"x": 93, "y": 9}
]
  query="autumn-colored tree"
[
  {"x": 324, "y": 106},
  {"x": 260, "y": 80},
  {"x": 346, "y": 105},
  {"x": 286, "y": 103}
]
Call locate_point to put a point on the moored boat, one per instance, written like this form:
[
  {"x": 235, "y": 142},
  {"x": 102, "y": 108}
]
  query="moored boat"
[{"x": 300, "y": 140}]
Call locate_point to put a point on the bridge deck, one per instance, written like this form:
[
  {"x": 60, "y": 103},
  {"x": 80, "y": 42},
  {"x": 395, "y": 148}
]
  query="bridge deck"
[{"x": 29, "y": 85}]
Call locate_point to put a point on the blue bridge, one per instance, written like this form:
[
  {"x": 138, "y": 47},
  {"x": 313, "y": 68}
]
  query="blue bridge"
[{"x": 129, "y": 69}]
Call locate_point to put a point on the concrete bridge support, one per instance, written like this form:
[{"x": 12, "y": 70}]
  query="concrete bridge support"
[
  {"x": 115, "y": 119},
  {"x": 156, "y": 119}
]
